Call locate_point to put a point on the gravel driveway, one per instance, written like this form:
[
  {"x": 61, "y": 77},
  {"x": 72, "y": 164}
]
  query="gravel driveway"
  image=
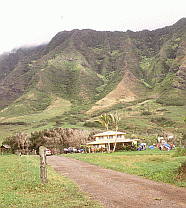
[{"x": 115, "y": 189}]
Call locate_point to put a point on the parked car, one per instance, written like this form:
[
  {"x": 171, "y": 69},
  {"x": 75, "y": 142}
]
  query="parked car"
[
  {"x": 72, "y": 150},
  {"x": 51, "y": 151},
  {"x": 151, "y": 147},
  {"x": 142, "y": 146},
  {"x": 48, "y": 152},
  {"x": 66, "y": 151}
]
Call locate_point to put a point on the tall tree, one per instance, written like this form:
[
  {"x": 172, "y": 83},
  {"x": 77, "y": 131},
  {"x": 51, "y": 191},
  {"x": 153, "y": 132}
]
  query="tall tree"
[
  {"x": 105, "y": 121},
  {"x": 18, "y": 142},
  {"x": 115, "y": 120}
]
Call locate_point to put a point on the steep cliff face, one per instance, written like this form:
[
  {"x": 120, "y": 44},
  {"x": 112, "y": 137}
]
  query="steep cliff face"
[
  {"x": 87, "y": 66},
  {"x": 172, "y": 89},
  {"x": 179, "y": 67}
]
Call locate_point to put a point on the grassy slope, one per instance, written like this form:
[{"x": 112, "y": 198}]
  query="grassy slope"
[
  {"x": 37, "y": 121},
  {"x": 21, "y": 186},
  {"x": 154, "y": 164},
  {"x": 132, "y": 120}
]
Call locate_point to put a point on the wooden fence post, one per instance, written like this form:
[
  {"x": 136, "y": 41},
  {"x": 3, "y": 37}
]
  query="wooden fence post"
[
  {"x": 43, "y": 164},
  {"x": 2, "y": 150}
]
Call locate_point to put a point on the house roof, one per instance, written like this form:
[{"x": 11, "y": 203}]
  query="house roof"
[
  {"x": 109, "y": 133},
  {"x": 5, "y": 146},
  {"x": 112, "y": 141}
]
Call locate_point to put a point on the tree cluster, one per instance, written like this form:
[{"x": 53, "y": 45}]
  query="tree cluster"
[{"x": 58, "y": 138}]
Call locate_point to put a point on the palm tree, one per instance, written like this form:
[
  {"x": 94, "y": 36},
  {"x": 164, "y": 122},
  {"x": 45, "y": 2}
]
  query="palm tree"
[
  {"x": 115, "y": 120},
  {"x": 105, "y": 120}
]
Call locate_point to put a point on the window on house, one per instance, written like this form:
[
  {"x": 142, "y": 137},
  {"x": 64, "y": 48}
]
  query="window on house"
[
  {"x": 119, "y": 136},
  {"x": 111, "y": 137},
  {"x": 101, "y": 137}
]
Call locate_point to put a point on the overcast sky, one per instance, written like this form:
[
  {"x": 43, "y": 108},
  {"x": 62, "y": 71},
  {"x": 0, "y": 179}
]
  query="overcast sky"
[{"x": 30, "y": 22}]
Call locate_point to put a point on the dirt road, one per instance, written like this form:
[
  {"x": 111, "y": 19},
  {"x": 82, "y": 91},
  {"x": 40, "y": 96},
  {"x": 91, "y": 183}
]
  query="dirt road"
[{"x": 115, "y": 189}]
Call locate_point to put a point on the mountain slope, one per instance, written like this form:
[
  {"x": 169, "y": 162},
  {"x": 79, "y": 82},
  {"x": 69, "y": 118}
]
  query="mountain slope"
[{"x": 87, "y": 66}]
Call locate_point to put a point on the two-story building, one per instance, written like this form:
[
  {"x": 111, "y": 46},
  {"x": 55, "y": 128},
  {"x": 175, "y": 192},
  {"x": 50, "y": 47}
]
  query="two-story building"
[{"x": 108, "y": 139}]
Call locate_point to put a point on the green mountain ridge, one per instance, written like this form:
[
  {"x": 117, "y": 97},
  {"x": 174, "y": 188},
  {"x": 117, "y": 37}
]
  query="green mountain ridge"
[{"x": 96, "y": 69}]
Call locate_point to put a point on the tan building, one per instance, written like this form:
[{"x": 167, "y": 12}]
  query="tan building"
[{"x": 108, "y": 138}]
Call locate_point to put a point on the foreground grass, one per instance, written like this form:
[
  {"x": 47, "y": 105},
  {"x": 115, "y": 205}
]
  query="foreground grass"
[
  {"x": 21, "y": 186},
  {"x": 154, "y": 164}
]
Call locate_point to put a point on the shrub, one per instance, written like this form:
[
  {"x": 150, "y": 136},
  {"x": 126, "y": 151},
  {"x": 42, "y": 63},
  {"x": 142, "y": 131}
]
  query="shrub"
[
  {"x": 146, "y": 113},
  {"x": 72, "y": 121},
  {"x": 133, "y": 147},
  {"x": 180, "y": 151},
  {"x": 161, "y": 110},
  {"x": 91, "y": 124},
  {"x": 182, "y": 171},
  {"x": 163, "y": 121},
  {"x": 126, "y": 148},
  {"x": 182, "y": 168},
  {"x": 59, "y": 123}
]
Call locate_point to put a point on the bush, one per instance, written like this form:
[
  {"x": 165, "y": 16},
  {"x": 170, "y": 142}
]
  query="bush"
[
  {"x": 163, "y": 121},
  {"x": 91, "y": 124},
  {"x": 146, "y": 113},
  {"x": 182, "y": 168},
  {"x": 161, "y": 110},
  {"x": 126, "y": 148},
  {"x": 133, "y": 147},
  {"x": 180, "y": 151},
  {"x": 72, "y": 121},
  {"x": 182, "y": 171},
  {"x": 59, "y": 123}
]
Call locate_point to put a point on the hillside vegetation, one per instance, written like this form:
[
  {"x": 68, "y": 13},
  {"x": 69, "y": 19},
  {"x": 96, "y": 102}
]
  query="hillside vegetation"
[{"x": 81, "y": 74}]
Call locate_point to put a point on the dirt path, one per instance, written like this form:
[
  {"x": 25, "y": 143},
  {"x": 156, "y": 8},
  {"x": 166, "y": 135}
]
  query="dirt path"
[{"x": 115, "y": 189}]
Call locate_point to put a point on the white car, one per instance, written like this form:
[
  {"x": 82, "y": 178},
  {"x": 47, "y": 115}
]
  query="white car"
[{"x": 48, "y": 152}]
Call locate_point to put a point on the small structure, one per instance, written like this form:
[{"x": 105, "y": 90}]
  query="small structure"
[
  {"x": 170, "y": 137},
  {"x": 161, "y": 139},
  {"x": 108, "y": 139},
  {"x": 4, "y": 148}
]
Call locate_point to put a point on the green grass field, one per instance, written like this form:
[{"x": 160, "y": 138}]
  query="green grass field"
[
  {"x": 153, "y": 164},
  {"x": 21, "y": 186}
]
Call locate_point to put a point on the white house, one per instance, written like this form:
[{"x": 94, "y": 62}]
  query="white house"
[{"x": 108, "y": 139}]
